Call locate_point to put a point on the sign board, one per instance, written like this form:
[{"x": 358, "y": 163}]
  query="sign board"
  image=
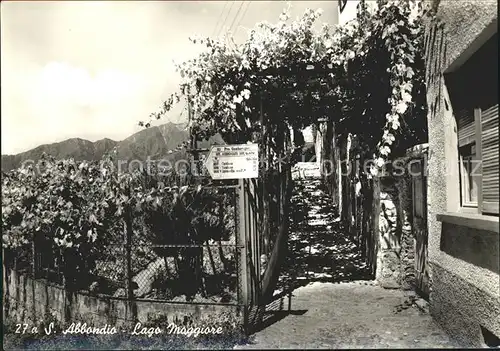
[
  {"x": 303, "y": 170},
  {"x": 233, "y": 161}
]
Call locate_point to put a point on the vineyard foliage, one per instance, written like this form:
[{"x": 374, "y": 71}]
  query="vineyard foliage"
[
  {"x": 80, "y": 209},
  {"x": 367, "y": 72},
  {"x": 365, "y": 76},
  {"x": 370, "y": 79}
]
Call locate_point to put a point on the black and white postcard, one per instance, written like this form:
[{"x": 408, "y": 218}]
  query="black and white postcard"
[{"x": 250, "y": 174}]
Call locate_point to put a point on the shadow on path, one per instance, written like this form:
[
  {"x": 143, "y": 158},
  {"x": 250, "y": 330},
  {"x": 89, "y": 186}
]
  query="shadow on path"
[
  {"x": 328, "y": 296},
  {"x": 319, "y": 249}
]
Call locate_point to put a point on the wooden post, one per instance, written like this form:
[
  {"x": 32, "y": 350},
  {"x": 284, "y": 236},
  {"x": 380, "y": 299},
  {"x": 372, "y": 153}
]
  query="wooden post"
[
  {"x": 128, "y": 256},
  {"x": 263, "y": 184},
  {"x": 33, "y": 277},
  {"x": 5, "y": 282},
  {"x": 333, "y": 166},
  {"x": 375, "y": 229},
  {"x": 238, "y": 251},
  {"x": 253, "y": 236},
  {"x": 195, "y": 170},
  {"x": 242, "y": 232},
  {"x": 339, "y": 175},
  {"x": 33, "y": 258}
]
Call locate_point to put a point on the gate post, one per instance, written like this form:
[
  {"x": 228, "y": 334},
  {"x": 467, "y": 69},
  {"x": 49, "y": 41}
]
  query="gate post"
[
  {"x": 244, "y": 282},
  {"x": 419, "y": 202}
]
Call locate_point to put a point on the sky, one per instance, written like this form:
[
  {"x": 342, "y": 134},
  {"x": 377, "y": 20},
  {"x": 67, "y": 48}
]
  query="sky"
[{"x": 94, "y": 69}]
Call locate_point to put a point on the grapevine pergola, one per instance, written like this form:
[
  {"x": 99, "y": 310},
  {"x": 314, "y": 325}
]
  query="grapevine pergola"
[
  {"x": 367, "y": 73},
  {"x": 366, "y": 76}
]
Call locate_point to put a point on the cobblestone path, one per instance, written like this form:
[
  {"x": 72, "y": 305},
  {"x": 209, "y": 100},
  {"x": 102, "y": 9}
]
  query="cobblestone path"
[
  {"x": 333, "y": 304},
  {"x": 351, "y": 315},
  {"x": 318, "y": 248}
]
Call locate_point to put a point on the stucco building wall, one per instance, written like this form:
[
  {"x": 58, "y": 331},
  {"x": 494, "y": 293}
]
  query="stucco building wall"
[{"x": 463, "y": 256}]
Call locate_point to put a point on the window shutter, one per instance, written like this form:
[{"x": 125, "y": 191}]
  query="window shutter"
[
  {"x": 466, "y": 127},
  {"x": 489, "y": 156}
]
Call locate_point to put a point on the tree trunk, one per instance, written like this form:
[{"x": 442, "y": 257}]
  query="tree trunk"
[
  {"x": 271, "y": 274},
  {"x": 345, "y": 169},
  {"x": 334, "y": 171},
  {"x": 338, "y": 175},
  {"x": 375, "y": 225},
  {"x": 265, "y": 218},
  {"x": 265, "y": 196}
]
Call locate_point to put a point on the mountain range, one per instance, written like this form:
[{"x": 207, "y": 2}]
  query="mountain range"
[{"x": 156, "y": 142}]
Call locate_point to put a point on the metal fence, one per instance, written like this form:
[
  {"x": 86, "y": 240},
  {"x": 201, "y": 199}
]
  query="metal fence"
[{"x": 153, "y": 257}]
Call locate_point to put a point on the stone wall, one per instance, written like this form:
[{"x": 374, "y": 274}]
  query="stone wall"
[
  {"x": 319, "y": 135},
  {"x": 388, "y": 257},
  {"x": 26, "y": 300},
  {"x": 396, "y": 254},
  {"x": 378, "y": 215}
]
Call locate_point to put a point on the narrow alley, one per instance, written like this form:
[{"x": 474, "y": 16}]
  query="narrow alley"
[
  {"x": 251, "y": 175},
  {"x": 332, "y": 303},
  {"x": 318, "y": 248}
]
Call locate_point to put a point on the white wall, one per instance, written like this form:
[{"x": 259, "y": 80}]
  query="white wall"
[
  {"x": 349, "y": 11},
  {"x": 308, "y": 136}
]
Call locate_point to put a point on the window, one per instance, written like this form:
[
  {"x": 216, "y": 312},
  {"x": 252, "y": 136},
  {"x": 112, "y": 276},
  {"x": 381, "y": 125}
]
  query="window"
[
  {"x": 468, "y": 175},
  {"x": 478, "y": 159},
  {"x": 474, "y": 96},
  {"x": 342, "y": 5},
  {"x": 468, "y": 158}
]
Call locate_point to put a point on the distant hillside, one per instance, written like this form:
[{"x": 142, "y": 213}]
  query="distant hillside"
[
  {"x": 156, "y": 142},
  {"x": 79, "y": 149}
]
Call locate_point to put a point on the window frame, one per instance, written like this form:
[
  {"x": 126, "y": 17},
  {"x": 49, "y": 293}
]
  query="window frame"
[
  {"x": 472, "y": 159},
  {"x": 481, "y": 208}
]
